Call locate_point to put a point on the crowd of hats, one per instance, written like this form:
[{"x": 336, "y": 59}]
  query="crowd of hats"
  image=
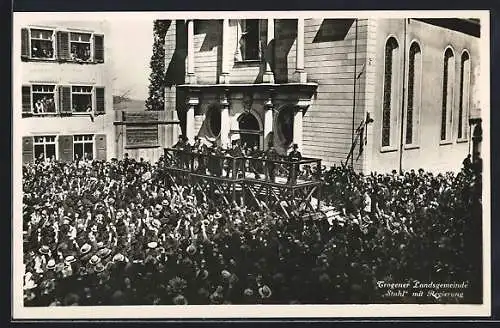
[{"x": 113, "y": 233}]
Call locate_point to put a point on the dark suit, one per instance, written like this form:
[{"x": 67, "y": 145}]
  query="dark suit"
[{"x": 294, "y": 155}]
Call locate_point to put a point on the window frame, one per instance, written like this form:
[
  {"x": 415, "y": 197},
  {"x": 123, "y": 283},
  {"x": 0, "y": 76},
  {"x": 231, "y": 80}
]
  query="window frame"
[
  {"x": 56, "y": 106},
  {"x": 53, "y": 40},
  {"x": 241, "y": 31},
  {"x": 84, "y": 141},
  {"x": 450, "y": 96},
  {"x": 45, "y": 143},
  {"x": 464, "y": 97},
  {"x": 55, "y": 56},
  {"x": 92, "y": 98},
  {"x": 57, "y": 99},
  {"x": 394, "y": 107},
  {"x": 91, "y": 43},
  {"x": 416, "y": 97}
]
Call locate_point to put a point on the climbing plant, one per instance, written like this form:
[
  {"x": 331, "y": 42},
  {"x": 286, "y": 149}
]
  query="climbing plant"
[{"x": 156, "y": 98}]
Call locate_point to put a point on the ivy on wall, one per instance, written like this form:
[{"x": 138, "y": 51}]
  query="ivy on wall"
[{"x": 156, "y": 98}]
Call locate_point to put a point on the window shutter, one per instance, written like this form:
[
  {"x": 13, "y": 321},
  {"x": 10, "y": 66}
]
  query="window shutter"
[
  {"x": 27, "y": 149},
  {"x": 25, "y": 43},
  {"x": 65, "y": 148},
  {"x": 100, "y": 100},
  {"x": 100, "y": 147},
  {"x": 26, "y": 95},
  {"x": 64, "y": 99},
  {"x": 63, "y": 45},
  {"x": 99, "y": 48}
]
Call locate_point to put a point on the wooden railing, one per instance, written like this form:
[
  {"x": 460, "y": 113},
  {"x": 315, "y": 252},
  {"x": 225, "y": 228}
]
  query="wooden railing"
[{"x": 279, "y": 170}]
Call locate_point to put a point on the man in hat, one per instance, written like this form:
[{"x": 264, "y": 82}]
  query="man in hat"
[
  {"x": 197, "y": 144},
  {"x": 256, "y": 164},
  {"x": 204, "y": 151},
  {"x": 239, "y": 164},
  {"x": 180, "y": 142},
  {"x": 294, "y": 156},
  {"x": 216, "y": 161},
  {"x": 197, "y": 148},
  {"x": 271, "y": 156},
  {"x": 185, "y": 155},
  {"x": 180, "y": 146}
]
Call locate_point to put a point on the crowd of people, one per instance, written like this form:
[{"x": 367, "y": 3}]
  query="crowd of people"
[
  {"x": 80, "y": 52},
  {"x": 44, "y": 105},
  {"x": 240, "y": 159},
  {"x": 42, "y": 49},
  {"x": 117, "y": 232}
]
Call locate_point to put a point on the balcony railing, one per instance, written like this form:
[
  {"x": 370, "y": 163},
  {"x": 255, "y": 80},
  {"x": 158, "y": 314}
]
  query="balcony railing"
[{"x": 279, "y": 170}]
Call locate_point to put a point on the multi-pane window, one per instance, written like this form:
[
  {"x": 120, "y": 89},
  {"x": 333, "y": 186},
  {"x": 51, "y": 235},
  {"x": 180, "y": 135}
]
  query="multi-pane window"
[
  {"x": 46, "y": 43},
  {"x": 80, "y": 46},
  {"x": 81, "y": 99},
  {"x": 447, "y": 96},
  {"x": 249, "y": 43},
  {"x": 463, "y": 107},
  {"x": 42, "y": 97},
  {"x": 390, "y": 82},
  {"x": 44, "y": 147},
  {"x": 414, "y": 85},
  {"x": 42, "y": 43},
  {"x": 83, "y": 146}
]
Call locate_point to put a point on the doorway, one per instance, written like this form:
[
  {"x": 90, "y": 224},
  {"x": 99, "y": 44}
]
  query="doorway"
[{"x": 249, "y": 128}]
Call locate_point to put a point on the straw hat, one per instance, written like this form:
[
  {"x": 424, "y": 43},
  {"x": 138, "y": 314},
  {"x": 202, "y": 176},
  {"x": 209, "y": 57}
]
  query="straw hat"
[
  {"x": 85, "y": 248},
  {"x": 69, "y": 259},
  {"x": 94, "y": 260},
  {"x": 30, "y": 284},
  {"x": 104, "y": 253},
  {"x": 44, "y": 249},
  {"x": 118, "y": 258},
  {"x": 51, "y": 264},
  {"x": 152, "y": 244}
]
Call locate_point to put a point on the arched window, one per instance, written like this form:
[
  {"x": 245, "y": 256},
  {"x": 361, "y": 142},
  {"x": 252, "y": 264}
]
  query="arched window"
[
  {"x": 413, "y": 102},
  {"x": 447, "y": 101},
  {"x": 390, "y": 82},
  {"x": 214, "y": 121},
  {"x": 463, "y": 107},
  {"x": 249, "y": 130}
]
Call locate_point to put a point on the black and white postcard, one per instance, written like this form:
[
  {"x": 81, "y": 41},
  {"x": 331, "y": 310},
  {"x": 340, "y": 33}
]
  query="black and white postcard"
[{"x": 251, "y": 164}]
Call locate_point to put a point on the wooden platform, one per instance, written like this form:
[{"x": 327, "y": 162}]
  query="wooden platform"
[{"x": 239, "y": 183}]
